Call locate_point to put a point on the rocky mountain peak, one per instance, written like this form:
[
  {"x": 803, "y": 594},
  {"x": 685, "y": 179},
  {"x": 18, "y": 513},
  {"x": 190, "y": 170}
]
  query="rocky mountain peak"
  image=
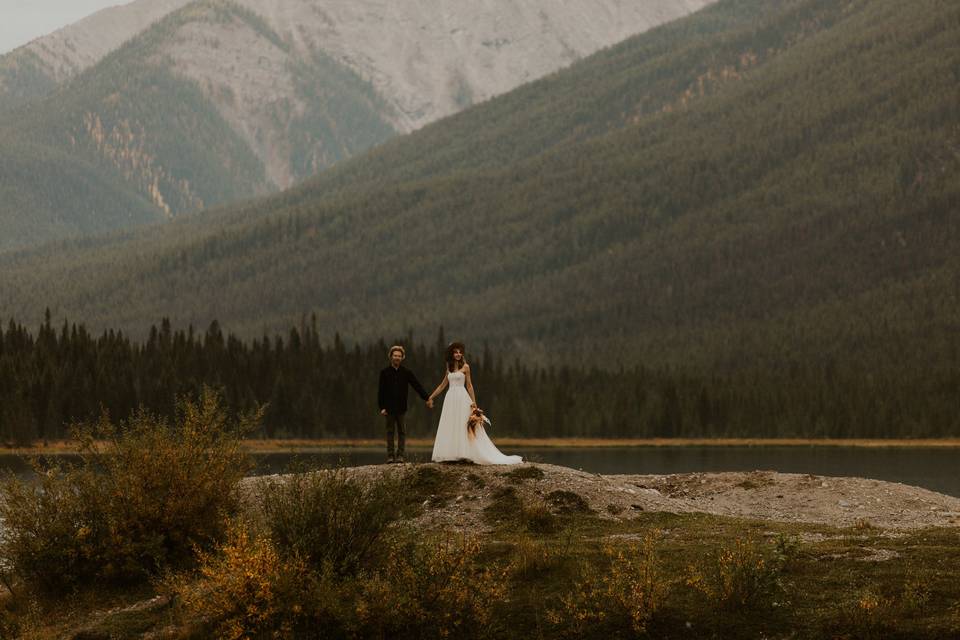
[{"x": 277, "y": 70}]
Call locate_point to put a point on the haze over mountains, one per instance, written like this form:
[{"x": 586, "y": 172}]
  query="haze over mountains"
[
  {"x": 220, "y": 100},
  {"x": 762, "y": 182}
]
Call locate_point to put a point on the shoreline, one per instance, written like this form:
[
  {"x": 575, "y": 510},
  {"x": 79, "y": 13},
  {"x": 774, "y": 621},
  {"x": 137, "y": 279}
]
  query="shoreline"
[{"x": 306, "y": 446}]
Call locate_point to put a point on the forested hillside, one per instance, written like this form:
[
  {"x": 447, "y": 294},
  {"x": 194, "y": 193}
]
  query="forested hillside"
[
  {"x": 775, "y": 198},
  {"x": 33, "y": 206},
  {"x": 123, "y": 145}
]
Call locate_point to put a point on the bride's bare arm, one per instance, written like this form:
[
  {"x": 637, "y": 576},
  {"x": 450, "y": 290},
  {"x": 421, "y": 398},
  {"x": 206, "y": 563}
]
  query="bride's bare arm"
[
  {"x": 439, "y": 389},
  {"x": 469, "y": 383}
]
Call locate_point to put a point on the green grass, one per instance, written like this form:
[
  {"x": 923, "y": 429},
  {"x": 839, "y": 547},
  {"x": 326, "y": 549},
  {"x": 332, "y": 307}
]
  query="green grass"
[
  {"x": 823, "y": 581},
  {"x": 568, "y": 502},
  {"x": 528, "y": 472},
  {"x": 432, "y": 486}
]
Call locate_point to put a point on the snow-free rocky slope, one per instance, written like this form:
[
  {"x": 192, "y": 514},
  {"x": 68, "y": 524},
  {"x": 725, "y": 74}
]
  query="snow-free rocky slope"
[
  {"x": 193, "y": 104},
  {"x": 426, "y": 58}
]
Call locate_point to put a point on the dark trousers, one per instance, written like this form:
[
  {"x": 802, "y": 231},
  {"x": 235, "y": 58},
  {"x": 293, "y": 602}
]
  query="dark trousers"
[{"x": 396, "y": 422}]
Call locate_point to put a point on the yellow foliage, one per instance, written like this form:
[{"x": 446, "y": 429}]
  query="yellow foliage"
[
  {"x": 246, "y": 588},
  {"x": 136, "y": 504},
  {"x": 867, "y": 614},
  {"x": 436, "y": 588},
  {"x": 738, "y": 578},
  {"x": 631, "y": 588}
]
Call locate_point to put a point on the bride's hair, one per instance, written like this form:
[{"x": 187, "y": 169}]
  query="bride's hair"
[{"x": 451, "y": 365}]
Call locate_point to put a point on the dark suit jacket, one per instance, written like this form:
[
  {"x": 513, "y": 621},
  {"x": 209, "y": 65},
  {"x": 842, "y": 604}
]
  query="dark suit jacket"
[{"x": 392, "y": 395}]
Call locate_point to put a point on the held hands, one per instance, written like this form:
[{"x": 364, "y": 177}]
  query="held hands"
[{"x": 383, "y": 412}]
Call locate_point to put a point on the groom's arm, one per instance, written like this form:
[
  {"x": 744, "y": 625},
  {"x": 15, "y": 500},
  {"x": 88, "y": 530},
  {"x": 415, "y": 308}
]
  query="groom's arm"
[
  {"x": 417, "y": 386},
  {"x": 382, "y": 392}
]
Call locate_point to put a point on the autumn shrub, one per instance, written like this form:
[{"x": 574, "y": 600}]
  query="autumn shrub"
[
  {"x": 475, "y": 481},
  {"x": 331, "y": 519},
  {"x": 250, "y": 588},
  {"x": 322, "y": 560},
  {"x": 534, "y": 556},
  {"x": 786, "y": 551},
  {"x": 916, "y": 596},
  {"x": 246, "y": 588},
  {"x": 738, "y": 579},
  {"x": 433, "y": 588},
  {"x": 54, "y": 533},
  {"x": 143, "y": 495},
  {"x": 866, "y": 615},
  {"x": 568, "y": 502},
  {"x": 509, "y": 509},
  {"x": 616, "y": 598},
  {"x": 537, "y": 518},
  {"x": 505, "y": 507},
  {"x": 9, "y": 617},
  {"x": 526, "y": 472},
  {"x": 430, "y": 486}
]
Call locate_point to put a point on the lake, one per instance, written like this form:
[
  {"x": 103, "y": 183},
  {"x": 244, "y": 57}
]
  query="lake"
[{"x": 931, "y": 468}]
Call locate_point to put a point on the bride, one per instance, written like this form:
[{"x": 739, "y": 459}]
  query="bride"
[{"x": 454, "y": 441}]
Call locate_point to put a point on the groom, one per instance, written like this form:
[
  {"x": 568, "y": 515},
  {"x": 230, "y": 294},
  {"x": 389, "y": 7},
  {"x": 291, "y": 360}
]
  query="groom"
[{"x": 392, "y": 397}]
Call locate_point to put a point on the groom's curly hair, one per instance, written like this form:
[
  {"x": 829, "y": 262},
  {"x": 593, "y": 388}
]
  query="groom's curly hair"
[{"x": 455, "y": 345}]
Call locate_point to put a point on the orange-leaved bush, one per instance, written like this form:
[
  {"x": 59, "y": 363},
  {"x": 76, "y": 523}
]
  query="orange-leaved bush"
[{"x": 144, "y": 494}]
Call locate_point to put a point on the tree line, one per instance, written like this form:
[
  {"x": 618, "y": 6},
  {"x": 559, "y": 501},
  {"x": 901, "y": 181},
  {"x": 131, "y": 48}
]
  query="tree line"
[{"x": 316, "y": 388}]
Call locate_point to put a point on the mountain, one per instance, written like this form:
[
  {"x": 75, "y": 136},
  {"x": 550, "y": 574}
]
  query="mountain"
[
  {"x": 191, "y": 105},
  {"x": 37, "y": 68},
  {"x": 763, "y": 183}
]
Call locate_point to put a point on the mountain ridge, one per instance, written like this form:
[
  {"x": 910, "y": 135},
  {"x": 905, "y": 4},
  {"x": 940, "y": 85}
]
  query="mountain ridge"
[
  {"x": 336, "y": 27},
  {"x": 302, "y": 85}
]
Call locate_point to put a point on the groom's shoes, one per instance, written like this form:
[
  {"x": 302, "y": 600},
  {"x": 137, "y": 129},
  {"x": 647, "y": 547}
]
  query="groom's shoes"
[
  {"x": 399, "y": 458},
  {"x": 391, "y": 459}
]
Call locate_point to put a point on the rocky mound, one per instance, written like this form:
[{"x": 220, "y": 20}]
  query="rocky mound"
[{"x": 457, "y": 499}]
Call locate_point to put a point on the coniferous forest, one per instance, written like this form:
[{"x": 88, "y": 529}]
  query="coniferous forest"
[{"x": 317, "y": 386}]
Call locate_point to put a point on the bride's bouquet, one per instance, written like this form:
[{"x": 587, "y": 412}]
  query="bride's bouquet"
[{"x": 476, "y": 419}]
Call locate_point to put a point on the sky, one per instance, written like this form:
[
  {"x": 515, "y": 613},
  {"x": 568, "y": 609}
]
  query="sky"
[{"x": 23, "y": 20}]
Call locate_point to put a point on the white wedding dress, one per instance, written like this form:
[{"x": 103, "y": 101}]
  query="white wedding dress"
[{"x": 453, "y": 441}]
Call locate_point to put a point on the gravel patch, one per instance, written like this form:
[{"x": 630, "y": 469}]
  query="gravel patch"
[{"x": 761, "y": 495}]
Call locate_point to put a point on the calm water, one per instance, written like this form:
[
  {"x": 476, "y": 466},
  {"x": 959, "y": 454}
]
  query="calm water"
[{"x": 936, "y": 469}]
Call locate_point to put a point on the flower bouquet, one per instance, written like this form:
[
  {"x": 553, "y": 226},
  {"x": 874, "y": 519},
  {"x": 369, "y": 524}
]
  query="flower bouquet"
[{"x": 476, "y": 419}]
